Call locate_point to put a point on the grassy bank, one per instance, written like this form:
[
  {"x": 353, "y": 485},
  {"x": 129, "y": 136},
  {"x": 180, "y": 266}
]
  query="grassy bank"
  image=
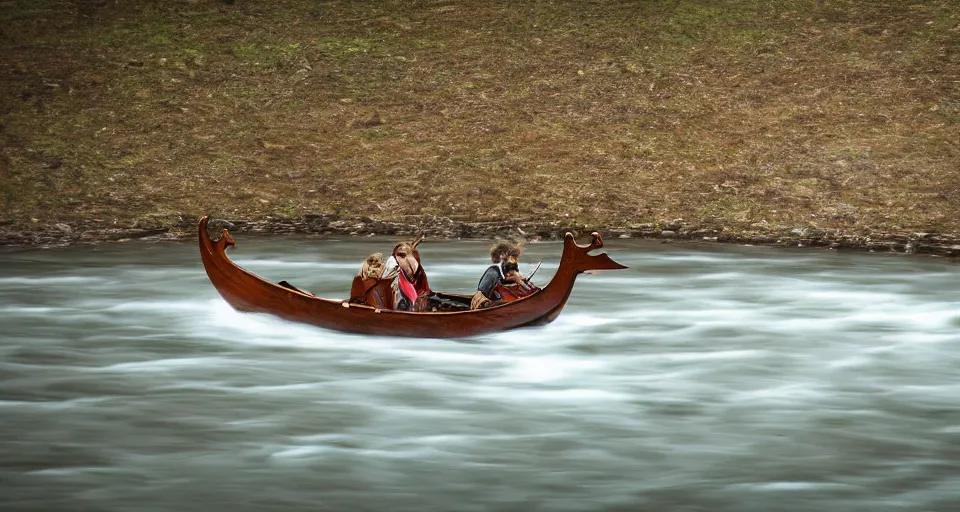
[{"x": 735, "y": 115}]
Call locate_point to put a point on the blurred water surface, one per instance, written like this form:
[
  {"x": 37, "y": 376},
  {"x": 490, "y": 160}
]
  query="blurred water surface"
[{"x": 702, "y": 378}]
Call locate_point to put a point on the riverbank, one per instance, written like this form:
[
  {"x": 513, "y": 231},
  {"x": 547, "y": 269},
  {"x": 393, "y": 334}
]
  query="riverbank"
[
  {"x": 678, "y": 230},
  {"x": 799, "y": 122}
]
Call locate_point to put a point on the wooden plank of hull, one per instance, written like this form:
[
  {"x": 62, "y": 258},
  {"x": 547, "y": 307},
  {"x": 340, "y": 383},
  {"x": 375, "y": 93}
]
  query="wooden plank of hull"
[{"x": 245, "y": 291}]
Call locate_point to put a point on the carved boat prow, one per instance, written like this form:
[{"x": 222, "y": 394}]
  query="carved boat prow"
[{"x": 248, "y": 292}]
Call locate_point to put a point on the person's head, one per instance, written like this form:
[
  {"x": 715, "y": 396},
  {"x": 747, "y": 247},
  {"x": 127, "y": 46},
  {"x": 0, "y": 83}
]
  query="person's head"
[
  {"x": 514, "y": 254},
  {"x": 375, "y": 260},
  {"x": 401, "y": 250},
  {"x": 407, "y": 258},
  {"x": 372, "y": 266},
  {"x": 500, "y": 251}
]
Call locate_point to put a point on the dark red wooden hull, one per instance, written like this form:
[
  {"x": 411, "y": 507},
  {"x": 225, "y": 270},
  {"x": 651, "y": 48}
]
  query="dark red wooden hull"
[{"x": 246, "y": 291}]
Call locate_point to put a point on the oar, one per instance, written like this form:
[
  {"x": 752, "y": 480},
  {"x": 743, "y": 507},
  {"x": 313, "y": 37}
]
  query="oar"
[
  {"x": 417, "y": 242},
  {"x": 534, "y": 271}
]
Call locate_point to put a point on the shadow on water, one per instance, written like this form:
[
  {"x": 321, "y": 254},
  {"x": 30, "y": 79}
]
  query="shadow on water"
[{"x": 701, "y": 378}]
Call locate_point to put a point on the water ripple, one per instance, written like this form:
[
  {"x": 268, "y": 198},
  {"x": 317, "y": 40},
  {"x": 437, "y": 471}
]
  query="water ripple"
[{"x": 702, "y": 378}]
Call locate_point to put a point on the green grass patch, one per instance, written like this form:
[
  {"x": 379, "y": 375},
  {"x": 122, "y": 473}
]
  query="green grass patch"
[
  {"x": 266, "y": 55},
  {"x": 344, "y": 47}
]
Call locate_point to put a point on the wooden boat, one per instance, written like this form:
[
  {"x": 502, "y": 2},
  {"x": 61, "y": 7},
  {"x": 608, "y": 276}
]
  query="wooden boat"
[{"x": 245, "y": 291}]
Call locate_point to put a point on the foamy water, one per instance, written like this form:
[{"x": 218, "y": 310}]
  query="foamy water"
[{"x": 702, "y": 378}]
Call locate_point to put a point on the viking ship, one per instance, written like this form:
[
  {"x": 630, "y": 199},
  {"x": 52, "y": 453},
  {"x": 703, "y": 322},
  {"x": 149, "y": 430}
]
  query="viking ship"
[{"x": 369, "y": 313}]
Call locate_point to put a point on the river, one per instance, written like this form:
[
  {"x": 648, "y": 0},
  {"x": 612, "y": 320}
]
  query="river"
[{"x": 704, "y": 377}]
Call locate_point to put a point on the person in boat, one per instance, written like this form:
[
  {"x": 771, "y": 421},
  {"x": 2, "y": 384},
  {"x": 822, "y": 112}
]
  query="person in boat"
[
  {"x": 372, "y": 267},
  {"x": 511, "y": 269},
  {"x": 411, "y": 288},
  {"x": 365, "y": 288},
  {"x": 504, "y": 257},
  {"x": 392, "y": 264}
]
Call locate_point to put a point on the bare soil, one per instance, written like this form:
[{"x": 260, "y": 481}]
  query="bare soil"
[{"x": 794, "y": 122}]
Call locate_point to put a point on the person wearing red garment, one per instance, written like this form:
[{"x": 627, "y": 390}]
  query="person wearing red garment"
[{"x": 411, "y": 288}]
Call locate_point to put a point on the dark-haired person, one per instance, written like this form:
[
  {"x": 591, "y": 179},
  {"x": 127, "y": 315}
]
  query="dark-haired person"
[
  {"x": 411, "y": 289},
  {"x": 493, "y": 276}
]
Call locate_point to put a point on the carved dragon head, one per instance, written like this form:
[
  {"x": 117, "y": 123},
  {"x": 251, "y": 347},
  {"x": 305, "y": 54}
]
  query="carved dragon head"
[{"x": 582, "y": 261}]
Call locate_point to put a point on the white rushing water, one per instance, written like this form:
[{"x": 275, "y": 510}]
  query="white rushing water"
[{"x": 701, "y": 378}]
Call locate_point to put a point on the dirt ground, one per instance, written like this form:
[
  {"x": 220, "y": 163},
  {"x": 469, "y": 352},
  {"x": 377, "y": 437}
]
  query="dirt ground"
[{"x": 792, "y": 121}]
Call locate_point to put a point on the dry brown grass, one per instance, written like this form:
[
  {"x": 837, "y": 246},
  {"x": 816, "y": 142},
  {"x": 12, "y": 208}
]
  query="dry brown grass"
[{"x": 746, "y": 114}]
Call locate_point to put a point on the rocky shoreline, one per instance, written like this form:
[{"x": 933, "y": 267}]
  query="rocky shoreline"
[{"x": 57, "y": 235}]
